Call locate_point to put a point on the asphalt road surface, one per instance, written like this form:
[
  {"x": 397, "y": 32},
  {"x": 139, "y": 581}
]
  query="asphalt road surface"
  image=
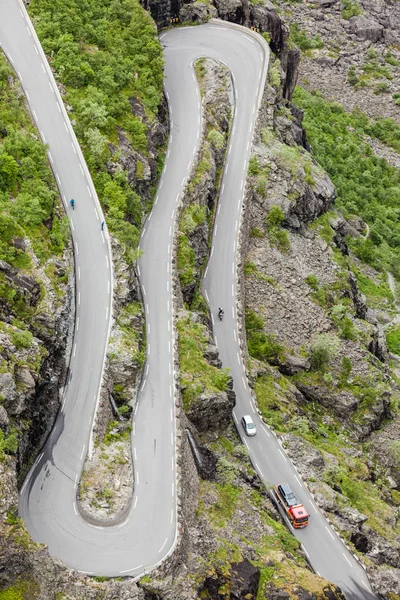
[{"x": 147, "y": 534}]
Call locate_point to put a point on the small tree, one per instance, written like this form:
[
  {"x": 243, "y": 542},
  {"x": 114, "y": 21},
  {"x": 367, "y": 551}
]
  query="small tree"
[{"x": 324, "y": 349}]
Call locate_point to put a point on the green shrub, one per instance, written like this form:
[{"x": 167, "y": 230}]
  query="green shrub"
[
  {"x": 312, "y": 281},
  {"x": 324, "y": 349},
  {"x": 216, "y": 139},
  {"x": 256, "y": 232},
  {"x": 261, "y": 345},
  {"x": 301, "y": 39},
  {"x": 275, "y": 216},
  {"x": 350, "y": 9},
  {"x": 21, "y": 339},
  {"x": 254, "y": 167}
]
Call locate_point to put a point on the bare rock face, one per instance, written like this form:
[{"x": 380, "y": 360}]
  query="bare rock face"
[
  {"x": 365, "y": 28},
  {"x": 385, "y": 580},
  {"x": 197, "y": 12},
  {"x": 243, "y": 580},
  {"x": 312, "y": 203},
  {"x": 212, "y": 412},
  {"x": 26, "y": 285}
]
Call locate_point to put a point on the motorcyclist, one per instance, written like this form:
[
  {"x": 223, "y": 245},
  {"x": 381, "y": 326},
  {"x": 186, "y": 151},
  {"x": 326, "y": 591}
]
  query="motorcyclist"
[
  {"x": 220, "y": 313},
  {"x": 72, "y": 203}
]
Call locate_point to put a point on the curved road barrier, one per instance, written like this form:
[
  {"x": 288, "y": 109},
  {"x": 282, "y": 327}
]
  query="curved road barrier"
[{"x": 48, "y": 497}]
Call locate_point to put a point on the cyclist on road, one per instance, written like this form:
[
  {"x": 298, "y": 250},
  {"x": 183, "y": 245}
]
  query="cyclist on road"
[{"x": 72, "y": 203}]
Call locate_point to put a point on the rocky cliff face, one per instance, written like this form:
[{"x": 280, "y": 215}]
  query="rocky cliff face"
[{"x": 302, "y": 298}]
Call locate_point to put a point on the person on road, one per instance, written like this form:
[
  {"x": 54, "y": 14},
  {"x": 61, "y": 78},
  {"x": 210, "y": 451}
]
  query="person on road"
[
  {"x": 102, "y": 225},
  {"x": 220, "y": 313},
  {"x": 72, "y": 203}
]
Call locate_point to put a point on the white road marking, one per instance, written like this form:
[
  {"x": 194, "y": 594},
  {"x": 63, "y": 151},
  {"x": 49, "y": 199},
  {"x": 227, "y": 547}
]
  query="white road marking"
[
  {"x": 83, "y": 450},
  {"x": 247, "y": 147},
  {"x": 97, "y": 216},
  {"x": 223, "y": 187},
  {"x": 243, "y": 381},
  {"x": 73, "y": 354},
  {"x": 36, "y": 50},
  {"x": 137, "y": 478},
  {"x": 74, "y": 505},
  {"x": 230, "y": 149},
  {"x": 51, "y": 87},
  {"x": 216, "y": 229},
  {"x": 76, "y": 248},
  {"x": 266, "y": 430},
  {"x": 233, "y": 130},
  {"x": 147, "y": 369},
  {"x": 205, "y": 291},
  {"x": 219, "y": 208},
  {"x": 35, "y": 116},
  {"x": 245, "y": 442},
  {"x": 148, "y": 350},
  {"x": 80, "y": 166},
  {"x": 77, "y": 324},
  {"x": 135, "y": 503},
  {"x": 162, "y": 547},
  {"x": 11, "y": 58},
  {"x": 236, "y": 225},
  {"x": 330, "y": 532},
  {"x": 133, "y": 569},
  {"x": 147, "y": 308},
  {"x": 233, "y": 268},
  {"x": 28, "y": 30},
  {"x": 59, "y": 107},
  {"x": 172, "y": 439},
  {"x": 43, "y": 67},
  {"x": 172, "y": 515},
  {"x": 22, "y": 14},
  {"x": 79, "y": 272},
  {"x": 124, "y": 523},
  {"x": 144, "y": 290},
  {"x": 212, "y": 250},
  {"x": 234, "y": 334},
  {"x": 58, "y": 179},
  {"x": 347, "y": 559},
  {"x": 283, "y": 454},
  {"x": 107, "y": 261},
  {"x": 20, "y": 76},
  {"x": 27, "y": 95},
  {"x": 259, "y": 470},
  {"x": 73, "y": 146},
  {"x": 43, "y": 138},
  {"x": 299, "y": 482},
  {"x": 173, "y": 490},
  {"x": 148, "y": 328},
  {"x": 305, "y": 551}
]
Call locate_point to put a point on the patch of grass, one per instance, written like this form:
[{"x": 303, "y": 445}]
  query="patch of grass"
[
  {"x": 261, "y": 345},
  {"x": 23, "y": 589},
  {"x": 186, "y": 261},
  {"x": 300, "y": 38},
  {"x": 222, "y": 511},
  {"x": 393, "y": 339},
  {"x": 197, "y": 375},
  {"x": 376, "y": 293}
]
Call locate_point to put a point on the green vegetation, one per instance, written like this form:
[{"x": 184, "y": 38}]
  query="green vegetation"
[
  {"x": 393, "y": 339},
  {"x": 186, "y": 261},
  {"x": 23, "y": 589},
  {"x": 28, "y": 198},
  {"x": 351, "y": 8},
  {"x": 277, "y": 236},
  {"x": 274, "y": 73},
  {"x": 366, "y": 185},
  {"x": 106, "y": 55},
  {"x": 376, "y": 291},
  {"x": 216, "y": 139},
  {"x": 324, "y": 349},
  {"x": 261, "y": 345},
  {"x": 197, "y": 375},
  {"x": 300, "y": 38}
]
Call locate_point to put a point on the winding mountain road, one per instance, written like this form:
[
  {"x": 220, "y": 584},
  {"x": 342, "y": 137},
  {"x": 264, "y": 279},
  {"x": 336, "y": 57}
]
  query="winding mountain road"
[{"x": 48, "y": 503}]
